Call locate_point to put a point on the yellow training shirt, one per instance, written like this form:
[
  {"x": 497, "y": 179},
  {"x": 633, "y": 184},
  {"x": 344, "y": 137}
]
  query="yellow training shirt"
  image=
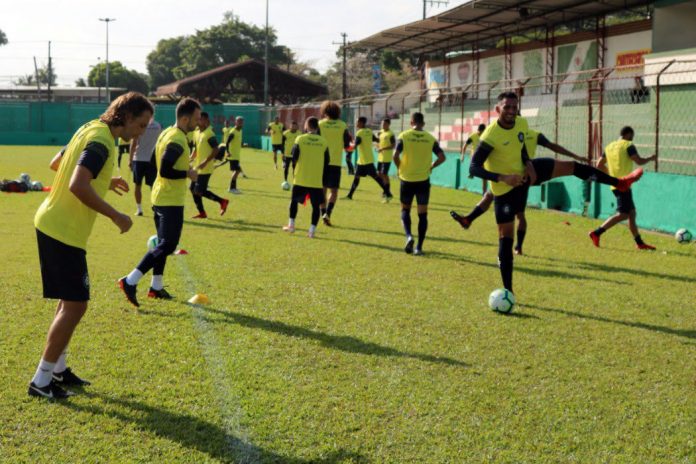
[
  {"x": 416, "y": 156},
  {"x": 309, "y": 169},
  {"x": 170, "y": 192},
  {"x": 619, "y": 162},
  {"x": 203, "y": 151},
  {"x": 290, "y": 138},
  {"x": 506, "y": 157},
  {"x": 475, "y": 138},
  {"x": 234, "y": 145},
  {"x": 276, "y": 133},
  {"x": 332, "y": 130},
  {"x": 365, "y": 153},
  {"x": 62, "y": 215},
  {"x": 385, "y": 156}
]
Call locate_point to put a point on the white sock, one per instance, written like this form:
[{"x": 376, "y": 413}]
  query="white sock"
[
  {"x": 44, "y": 373},
  {"x": 291, "y": 222},
  {"x": 60, "y": 365},
  {"x": 134, "y": 277},
  {"x": 140, "y": 208},
  {"x": 157, "y": 282},
  {"x": 312, "y": 229}
]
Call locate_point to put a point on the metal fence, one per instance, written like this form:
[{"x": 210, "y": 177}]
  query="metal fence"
[{"x": 582, "y": 111}]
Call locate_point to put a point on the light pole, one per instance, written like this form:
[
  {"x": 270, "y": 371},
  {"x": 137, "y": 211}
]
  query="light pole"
[
  {"x": 265, "y": 63},
  {"x": 108, "y": 92}
]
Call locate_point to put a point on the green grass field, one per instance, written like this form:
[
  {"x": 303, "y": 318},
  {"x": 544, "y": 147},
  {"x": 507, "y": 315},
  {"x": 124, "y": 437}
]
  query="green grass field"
[{"x": 343, "y": 349}]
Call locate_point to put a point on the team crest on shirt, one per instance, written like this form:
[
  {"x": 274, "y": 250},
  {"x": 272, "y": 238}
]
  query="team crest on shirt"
[{"x": 520, "y": 137}]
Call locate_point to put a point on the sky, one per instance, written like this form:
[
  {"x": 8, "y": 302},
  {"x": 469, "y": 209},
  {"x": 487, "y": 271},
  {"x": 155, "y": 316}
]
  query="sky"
[{"x": 78, "y": 38}]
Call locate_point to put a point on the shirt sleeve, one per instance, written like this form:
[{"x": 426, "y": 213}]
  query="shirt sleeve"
[
  {"x": 469, "y": 141},
  {"x": 171, "y": 155},
  {"x": 358, "y": 141},
  {"x": 542, "y": 140},
  {"x": 93, "y": 157},
  {"x": 327, "y": 158},
  {"x": 374, "y": 138},
  {"x": 392, "y": 140},
  {"x": 480, "y": 156},
  {"x": 212, "y": 141},
  {"x": 632, "y": 150},
  {"x": 399, "y": 146},
  {"x": 436, "y": 147}
]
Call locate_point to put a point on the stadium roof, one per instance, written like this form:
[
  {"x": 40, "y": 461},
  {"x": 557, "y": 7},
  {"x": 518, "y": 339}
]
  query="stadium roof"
[
  {"x": 245, "y": 78},
  {"x": 480, "y": 20}
]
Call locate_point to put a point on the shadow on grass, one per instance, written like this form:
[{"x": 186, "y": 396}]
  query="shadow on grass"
[
  {"x": 613, "y": 269},
  {"x": 430, "y": 238},
  {"x": 194, "y": 433},
  {"x": 238, "y": 226},
  {"x": 687, "y": 333},
  {"x": 462, "y": 259},
  {"x": 338, "y": 342}
]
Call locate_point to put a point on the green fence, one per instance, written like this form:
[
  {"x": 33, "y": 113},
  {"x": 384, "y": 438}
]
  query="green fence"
[{"x": 40, "y": 123}]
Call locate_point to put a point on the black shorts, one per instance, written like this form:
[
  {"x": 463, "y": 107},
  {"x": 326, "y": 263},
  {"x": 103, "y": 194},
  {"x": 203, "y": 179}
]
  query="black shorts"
[
  {"x": 299, "y": 193},
  {"x": 201, "y": 184},
  {"x": 63, "y": 269},
  {"x": 235, "y": 166},
  {"x": 544, "y": 169},
  {"x": 277, "y": 148},
  {"x": 365, "y": 170},
  {"x": 383, "y": 168},
  {"x": 421, "y": 190},
  {"x": 332, "y": 177},
  {"x": 144, "y": 171},
  {"x": 624, "y": 201},
  {"x": 507, "y": 206}
]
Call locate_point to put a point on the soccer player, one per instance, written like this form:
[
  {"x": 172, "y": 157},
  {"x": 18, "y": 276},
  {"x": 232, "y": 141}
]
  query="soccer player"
[
  {"x": 618, "y": 158},
  {"x": 168, "y": 196},
  {"x": 502, "y": 159},
  {"x": 289, "y": 137},
  {"x": 532, "y": 140},
  {"x": 416, "y": 147},
  {"x": 336, "y": 134},
  {"x": 473, "y": 142},
  {"x": 275, "y": 129},
  {"x": 64, "y": 222},
  {"x": 366, "y": 159},
  {"x": 385, "y": 151},
  {"x": 142, "y": 161},
  {"x": 204, "y": 160},
  {"x": 310, "y": 157},
  {"x": 234, "y": 150},
  {"x": 123, "y": 148}
]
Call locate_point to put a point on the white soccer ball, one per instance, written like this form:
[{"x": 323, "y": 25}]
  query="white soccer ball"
[
  {"x": 501, "y": 301},
  {"x": 36, "y": 186},
  {"x": 683, "y": 236},
  {"x": 152, "y": 242},
  {"x": 285, "y": 185}
]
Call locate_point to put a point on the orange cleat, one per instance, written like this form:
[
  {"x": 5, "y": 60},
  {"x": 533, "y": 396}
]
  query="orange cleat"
[
  {"x": 200, "y": 216},
  {"x": 223, "y": 206},
  {"x": 645, "y": 246},
  {"x": 626, "y": 181},
  {"x": 595, "y": 238}
]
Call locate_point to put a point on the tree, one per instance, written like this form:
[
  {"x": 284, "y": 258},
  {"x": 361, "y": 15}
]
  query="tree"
[
  {"x": 80, "y": 83},
  {"x": 3, "y": 38},
  {"x": 225, "y": 43},
  {"x": 119, "y": 76},
  {"x": 30, "y": 79}
]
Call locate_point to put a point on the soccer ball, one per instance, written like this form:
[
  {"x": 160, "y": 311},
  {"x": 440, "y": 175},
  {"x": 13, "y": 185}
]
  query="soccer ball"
[
  {"x": 285, "y": 185},
  {"x": 501, "y": 301},
  {"x": 36, "y": 186},
  {"x": 683, "y": 236},
  {"x": 152, "y": 242}
]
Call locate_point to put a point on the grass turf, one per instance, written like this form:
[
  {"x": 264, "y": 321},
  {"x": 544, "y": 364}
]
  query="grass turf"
[{"x": 344, "y": 348}]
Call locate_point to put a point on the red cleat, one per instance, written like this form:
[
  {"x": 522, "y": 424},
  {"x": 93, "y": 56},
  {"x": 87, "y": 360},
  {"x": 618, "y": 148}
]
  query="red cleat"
[
  {"x": 626, "y": 181},
  {"x": 645, "y": 246},
  {"x": 200, "y": 216},
  {"x": 595, "y": 238},
  {"x": 223, "y": 206}
]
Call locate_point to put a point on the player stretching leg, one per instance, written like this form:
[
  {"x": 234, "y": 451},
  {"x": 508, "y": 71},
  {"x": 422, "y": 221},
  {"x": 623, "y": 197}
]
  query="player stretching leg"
[
  {"x": 204, "y": 155},
  {"x": 366, "y": 159}
]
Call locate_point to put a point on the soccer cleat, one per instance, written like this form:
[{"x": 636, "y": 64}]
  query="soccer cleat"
[
  {"x": 409, "y": 245},
  {"x": 223, "y": 206},
  {"x": 625, "y": 182},
  {"x": 645, "y": 246},
  {"x": 159, "y": 294},
  {"x": 417, "y": 252},
  {"x": 235, "y": 191},
  {"x": 387, "y": 198},
  {"x": 311, "y": 234},
  {"x": 200, "y": 216},
  {"x": 595, "y": 238},
  {"x": 347, "y": 197},
  {"x": 138, "y": 213},
  {"x": 68, "y": 378},
  {"x": 518, "y": 251},
  {"x": 130, "y": 291},
  {"x": 326, "y": 219},
  {"x": 51, "y": 391},
  {"x": 462, "y": 220},
  {"x": 289, "y": 228}
]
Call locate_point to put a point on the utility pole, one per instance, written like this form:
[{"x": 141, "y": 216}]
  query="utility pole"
[
  {"x": 36, "y": 76},
  {"x": 433, "y": 3},
  {"x": 265, "y": 64},
  {"x": 345, "y": 83},
  {"x": 50, "y": 72},
  {"x": 107, "y": 92}
]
